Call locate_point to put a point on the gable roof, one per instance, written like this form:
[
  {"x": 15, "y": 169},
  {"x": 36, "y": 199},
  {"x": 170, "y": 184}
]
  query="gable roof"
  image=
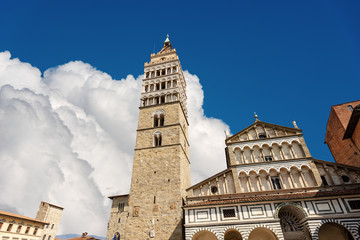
[{"x": 227, "y": 140}]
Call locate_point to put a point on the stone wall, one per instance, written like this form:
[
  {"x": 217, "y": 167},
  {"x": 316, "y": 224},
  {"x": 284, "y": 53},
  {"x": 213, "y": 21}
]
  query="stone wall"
[{"x": 51, "y": 214}]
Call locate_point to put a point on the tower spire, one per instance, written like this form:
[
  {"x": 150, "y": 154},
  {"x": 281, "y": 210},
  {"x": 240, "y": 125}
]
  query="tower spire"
[{"x": 167, "y": 38}]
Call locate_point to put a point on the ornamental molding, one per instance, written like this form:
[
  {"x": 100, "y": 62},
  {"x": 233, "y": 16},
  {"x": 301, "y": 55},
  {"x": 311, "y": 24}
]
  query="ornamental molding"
[
  {"x": 172, "y": 63},
  {"x": 153, "y": 80},
  {"x": 273, "y": 165},
  {"x": 262, "y": 142},
  {"x": 159, "y": 93}
]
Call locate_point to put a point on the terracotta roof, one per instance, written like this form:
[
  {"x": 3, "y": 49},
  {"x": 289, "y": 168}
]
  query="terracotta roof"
[
  {"x": 22, "y": 217},
  {"x": 274, "y": 197}
]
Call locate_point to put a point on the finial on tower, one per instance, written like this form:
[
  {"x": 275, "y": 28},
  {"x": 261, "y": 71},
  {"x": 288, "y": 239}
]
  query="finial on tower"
[
  {"x": 256, "y": 117},
  {"x": 167, "y": 38},
  {"x": 295, "y": 125}
]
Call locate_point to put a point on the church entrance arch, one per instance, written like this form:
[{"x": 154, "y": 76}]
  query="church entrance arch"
[
  {"x": 204, "y": 235},
  {"x": 262, "y": 234},
  {"x": 334, "y": 231},
  {"x": 293, "y": 222},
  {"x": 232, "y": 235}
]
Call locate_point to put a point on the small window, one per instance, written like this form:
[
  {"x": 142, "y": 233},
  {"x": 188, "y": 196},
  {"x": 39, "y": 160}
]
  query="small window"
[
  {"x": 121, "y": 207},
  {"x": 162, "y": 120},
  {"x": 49, "y": 237},
  {"x": 147, "y": 75},
  {"x": 262, "y": 135},
  {"x": 9, "y": 227},
  {"x": 345, "y": 178},
  {"x": 350, "y": 108},
  {"x": 268, "y": 158},
  {"x": 163, "y": 72},
  {"x": 323, "y": 179},
  {"x": 158, "y": 86},
  {"x": 156, "y": 121},
  {"x": 354, "y": 204},
  {"x": 44, "y": 237},
  {"x": 27, "y": 230},
  {"x": 163, "y": 84},
  {"x": 52, "y": 226},
  {"x": 229, "y": 213},
  {"x": 19, "y": 229},
  {"x": 157, "y": 139},
  {"x": 35, "y": 231},
  {"x": 276, "y": 182},
  {"x": 214, "y": 189},
  {"x": 162, "y": 99},
  {"x": 119, "y": 220},
  {"x": 146, "y": 88}
]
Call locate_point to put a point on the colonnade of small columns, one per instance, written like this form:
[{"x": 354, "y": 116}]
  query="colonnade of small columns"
[
  {"x": 268, "y": 153},
  {"x": 160, "y": 85},
  {"x": 222, "y": 184},
  {"x": 160, "y": 99},
  {"x": 161, "y": 72},
  {"x": 276, "y": 179}
]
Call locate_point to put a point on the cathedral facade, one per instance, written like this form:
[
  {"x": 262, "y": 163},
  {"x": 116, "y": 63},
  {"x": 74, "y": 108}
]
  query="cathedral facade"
[{"x": 272, "y": 188}]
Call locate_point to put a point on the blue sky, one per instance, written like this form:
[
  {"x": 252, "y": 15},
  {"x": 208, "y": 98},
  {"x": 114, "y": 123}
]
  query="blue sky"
[{"x": 286, "y": 60}]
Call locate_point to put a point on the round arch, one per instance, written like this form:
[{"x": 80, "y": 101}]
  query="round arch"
[
  {"x": 204, "y": 235},
  {"x": 232, "y": 234},
  {"x": 332, "y": 230},
  {"x": 262, "y": 233},
  {"x": 293, "y": 221}
]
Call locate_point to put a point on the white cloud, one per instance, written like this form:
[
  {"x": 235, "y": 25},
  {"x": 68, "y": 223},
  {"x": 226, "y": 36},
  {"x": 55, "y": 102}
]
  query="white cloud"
[{"x": 68, "y": 139}]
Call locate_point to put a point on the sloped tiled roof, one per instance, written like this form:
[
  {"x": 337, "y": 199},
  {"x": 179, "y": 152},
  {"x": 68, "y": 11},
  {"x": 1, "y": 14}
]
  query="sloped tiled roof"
[{"x": 21, "y": 217}]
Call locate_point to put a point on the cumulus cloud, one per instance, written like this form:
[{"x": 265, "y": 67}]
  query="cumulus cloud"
[{"x": 68, "y": 138}]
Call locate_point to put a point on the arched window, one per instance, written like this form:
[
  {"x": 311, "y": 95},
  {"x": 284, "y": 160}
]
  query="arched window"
[
  {"x": 162, "y": 120},
  {"x": 159, "y": 118},
  {"x": 156, "y": 121},
  {"x": 157, "y": 139}
]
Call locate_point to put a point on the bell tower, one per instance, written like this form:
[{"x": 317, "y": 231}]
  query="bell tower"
[{"x": 161, "y": 167}]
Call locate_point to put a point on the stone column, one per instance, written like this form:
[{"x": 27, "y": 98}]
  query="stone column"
[
  {"x": 249, "y": 183},
  {"x": 226, "y": 184},
  {"x": 252, "y": 157},
  {"x": 259, "y": 183},
  {"x": 281, "y": 152}
]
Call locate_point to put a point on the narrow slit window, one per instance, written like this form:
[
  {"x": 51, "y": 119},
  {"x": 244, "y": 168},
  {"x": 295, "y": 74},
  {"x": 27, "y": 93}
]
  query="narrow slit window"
[
  {"x": 156, "y": 121},
  {"x": 162, "y": 120},
  {"x": 323, "y": 179}
]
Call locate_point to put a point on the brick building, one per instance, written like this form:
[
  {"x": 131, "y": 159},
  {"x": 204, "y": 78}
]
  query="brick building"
[{"x": 343, "y": 133}]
